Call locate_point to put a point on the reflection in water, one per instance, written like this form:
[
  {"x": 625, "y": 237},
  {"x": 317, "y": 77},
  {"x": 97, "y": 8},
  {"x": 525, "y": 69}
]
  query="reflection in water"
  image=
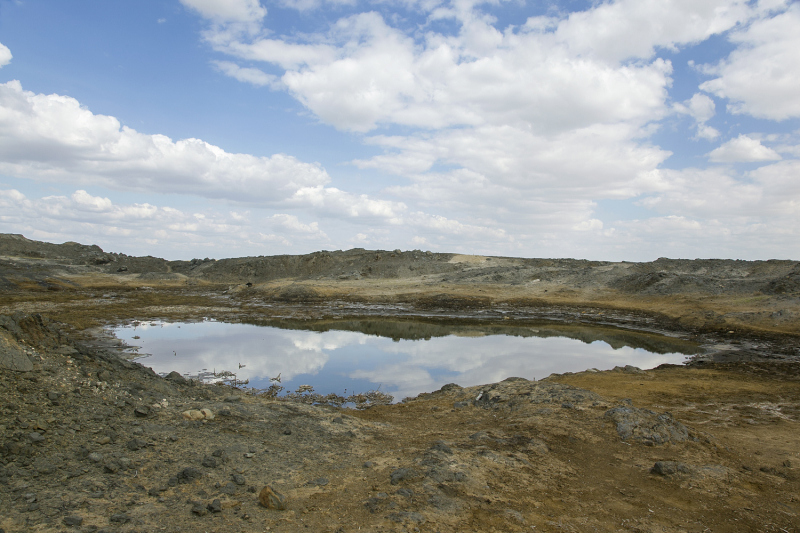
[{"x": 357, "y": 356}]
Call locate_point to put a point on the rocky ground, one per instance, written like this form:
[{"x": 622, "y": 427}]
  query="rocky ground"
[{"x": 92, "y": 442}]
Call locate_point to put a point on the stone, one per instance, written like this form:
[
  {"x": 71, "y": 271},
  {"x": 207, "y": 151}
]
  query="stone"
[
  {"x": 406, "y": 493},
  {"x": 368, "y": 464},
  {"x": 338, "y": 420},
  {"x": 199, "y": 509},
  {"x": 441, "y": 446},
  {"x": 215, "y": 506},
  {"x": 193, "y": 414},
  {"x": 403, "y": 516},
  {"x": 271, "y": 499},
  {"x": 209, "y": 462},
  {"x": 238, "y": 479},
  {"x": 319, "y": 482},
  {"x": 36, "y": 437},
  {"x": 73, "y": 521},
  {"x": 219, "y": 452},
  {"x": 668, "y": 468},
  {"x": 461, "y": 405},
  {"x": 111, "y": 467},
  {"x": 208, "y": 414},
  {"x": 403, "y": 474},
  {"x": 232, "y": 399},
  {"x": 287, "y": 431},
  {"x": 647, "y": 427},
  {"x": 229, "y": 488},
  {"x": 95, "y": 457},
  {"x": 135, "y": 444},
  {"x": 120, "y": 518},
  {"x": 188, "y": 474},
  {"x": 104, "y": 440},
  {"x": 12, "y": 355},
  {"x": 175, "y": 377},
  {"x": 142, "y": 411}
]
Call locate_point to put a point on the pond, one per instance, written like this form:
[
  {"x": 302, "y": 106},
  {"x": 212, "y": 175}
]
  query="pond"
[{"x": 399, "y": 357}]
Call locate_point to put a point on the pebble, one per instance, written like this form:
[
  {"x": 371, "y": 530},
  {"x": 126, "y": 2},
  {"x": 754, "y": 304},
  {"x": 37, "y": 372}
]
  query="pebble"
[
  {"x": 36, "y": 437},
  {"x": 229, "y": 488},
  {"x": 320, "y": 482},
  {"x": 111, "y": 467},
  {"x": 287, "y": 432},
  {"x": 73, "y": 521},
  {"x": 135, "y": 444},
  {"x": 338, "y": 420},
  {"x": 208, "y": 414},
  {"x": 271, "y": 499},
  {"x": 193, "y": 414},
  {"x": 209, "y": 462},
  {"x": 104, "y": 440},
  {"x": 238, "y": 479},
  {"x": 199, "y": 509},
  {"x": 95, "y": 457},
  {"x": 249, "y": 455},
  {"x": 215, "y": 506},
  {"x": 141, "y": 411},
  {"x": 120, "y": 518},
  {"x": 368, "y": 464}
]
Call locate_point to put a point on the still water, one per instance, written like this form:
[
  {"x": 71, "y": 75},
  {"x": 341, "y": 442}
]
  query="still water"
[{"x": 399, "y": 357}]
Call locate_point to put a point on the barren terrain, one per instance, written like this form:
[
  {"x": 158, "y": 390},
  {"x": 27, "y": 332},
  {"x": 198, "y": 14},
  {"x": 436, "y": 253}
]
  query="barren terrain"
[{"x": 92, "y": 442}]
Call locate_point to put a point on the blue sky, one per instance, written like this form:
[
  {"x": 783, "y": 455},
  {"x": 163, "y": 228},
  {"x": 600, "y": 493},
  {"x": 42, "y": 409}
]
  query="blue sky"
[{"x": 624, "y": 130}]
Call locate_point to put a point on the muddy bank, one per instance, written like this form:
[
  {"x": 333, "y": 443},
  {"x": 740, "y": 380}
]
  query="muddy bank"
[
  {"x": 91, "y": 442},
  {"x": 699, "y": 295}
]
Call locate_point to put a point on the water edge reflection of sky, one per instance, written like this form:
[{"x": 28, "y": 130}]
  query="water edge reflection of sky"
[{"x": 342, "y": 361}]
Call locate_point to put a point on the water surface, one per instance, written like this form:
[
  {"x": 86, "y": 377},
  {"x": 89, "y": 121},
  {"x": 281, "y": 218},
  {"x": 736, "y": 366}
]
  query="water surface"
[{"x": 400, "y": 357}]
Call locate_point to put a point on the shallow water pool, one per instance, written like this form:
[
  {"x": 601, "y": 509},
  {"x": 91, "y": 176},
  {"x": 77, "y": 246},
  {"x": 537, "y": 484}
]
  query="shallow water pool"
[{"x": 399, "y": 357}]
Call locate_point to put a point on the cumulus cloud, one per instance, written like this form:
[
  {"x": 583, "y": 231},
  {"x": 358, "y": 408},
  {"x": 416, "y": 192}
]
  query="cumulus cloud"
[
  {"x": 760, "y": 77},
  {"x": 228, "y": 10},
  {"x": 253, "y": 76},
  {"x": 701, "y": 108},
  {"x": 5, "y": 55},
  {"x": 743, "y": 149}
]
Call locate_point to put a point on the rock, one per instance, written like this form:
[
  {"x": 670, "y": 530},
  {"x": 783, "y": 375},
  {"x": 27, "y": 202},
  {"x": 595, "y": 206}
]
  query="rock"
[
  {"x": 319, "y": 482},
  {"x": 199, "y": 509},
  {"x": 238, "y": 479},
  {"x": 193, "y": 414},
  {"x": 628, "y": 369},
  {"x": 668, "y": 468},
  {"x": 229, "y": 488},
  {"x": 208, "y": 414},
  {"x": 104, "y": 440},
  {"x": 95, "y": 457},
  {"x": 135, "y": 444},
  {"x": 403, "y": 474},
  {"x": 111, "y": 467},
  {"x": 215, "y": 506},
  {"x": 287, "y": 431},
  {"x": 219, "y": 452},
  {"x": 407, "y": 493},
  {"x": 137, "y": 431},
  {"x": 338, "y": 420},
  {"x": 232, "y": 399},
  {"x": 142, "y": 411},
  {"x": 54, "y": 396},
  {"x": 647, "y": 427},
  {"x": 36, "y": 437},
  {"x": 12, "y": 355},
  {"x": 368, "y": 464},
  {"x": 271, "y": 499},
  {"x": 451, "y": 387},
  {"x": 188, "y": 474},
  {"x": 175, "y": 377},
  {"x": 73, "y": 521},
  {"x": 567, "y": 405},
  {"x": 461, "y": 405},
  {"x": 120, "y": 518},
  {"x": 209, "y": 462},
  {"x": 441, "y": 446}
]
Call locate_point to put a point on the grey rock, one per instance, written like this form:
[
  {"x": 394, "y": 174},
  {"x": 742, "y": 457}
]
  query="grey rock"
[
  {"x": 210, "y": 462},
  {"x": 175, "y": 377},
  {"x": 36, "y": 437},
  {"x": 461, "y": 405},
  {"x": 567, "y": 405},
  {"x": 232, "y": 399},
  {"x": 95, "y": 457},
  {"x": 287, "y": 431},
  {"x": 135, "y": 444},
  {"x": 111, "y": 467},
  {"x": 319, "y": 482},
  {"x": 403, "y": 474},
  {"x": 199, "y": 509},
  {"x": 368, "y": 464},
  {"x": 668, "y": 468},
  {"x": 406, "y": 493},
  {"x": 229, "y": 488},
  {"x": 215, "y": 506},
  {"x": 647, "y": 427},
  {"x": 451, "y": 387},
  {"x": 188, "y": 474},
  {"x": 120, "y": 518},
  {"x": 219, "y": 452},
  {"x": 12, "y": 355},
  {"x": 142, "y": 411},
  {"x": 441, "y": 446},
  {"x": 238, "y": 479},
  {"x": 338, "y": 420},
  {"x": 72, "y": 521}
]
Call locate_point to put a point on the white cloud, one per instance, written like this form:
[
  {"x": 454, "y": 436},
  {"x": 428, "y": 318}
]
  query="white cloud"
[
  {"x": 253, "y": 76},
  {"x": 701, "y": 108},
  {"x": 761, "y": 76},
  {"x": 292, "y": 224},
  {"x": 228, "y": 10},
  {"x": 743, "y": 149},
  {"x": 54, "y": 138},
  {"x": 5, "y": 55}
]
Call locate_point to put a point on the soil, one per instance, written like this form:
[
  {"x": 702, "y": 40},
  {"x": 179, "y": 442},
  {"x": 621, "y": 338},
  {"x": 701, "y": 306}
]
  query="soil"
[{"x": 92, "y": 442}]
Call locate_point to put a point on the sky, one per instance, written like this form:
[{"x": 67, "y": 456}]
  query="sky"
[{"x": 604, "y": 130}]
